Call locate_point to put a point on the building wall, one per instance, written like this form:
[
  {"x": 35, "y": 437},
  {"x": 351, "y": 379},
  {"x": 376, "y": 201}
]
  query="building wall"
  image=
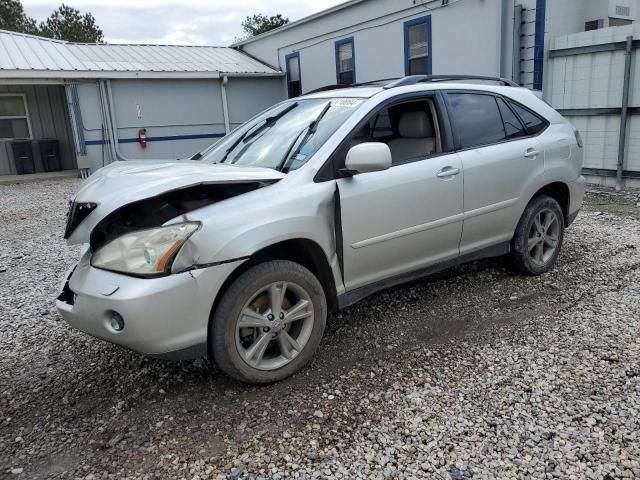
[
  {"x": 181, "y": 117},
  {"x": 466, "y": 38},
  {"x": 48, "y": 117},
  {"x": 563, "y": 17}
]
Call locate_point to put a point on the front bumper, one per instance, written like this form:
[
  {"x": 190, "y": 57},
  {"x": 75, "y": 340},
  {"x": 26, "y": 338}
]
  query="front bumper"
[{"x": 166, "y": 317}]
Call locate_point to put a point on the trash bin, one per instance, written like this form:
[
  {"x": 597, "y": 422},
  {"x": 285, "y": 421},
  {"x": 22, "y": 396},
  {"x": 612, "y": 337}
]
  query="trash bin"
[
  {"x": 50, "y": 154},
  {"x": 23, "y": 156}
]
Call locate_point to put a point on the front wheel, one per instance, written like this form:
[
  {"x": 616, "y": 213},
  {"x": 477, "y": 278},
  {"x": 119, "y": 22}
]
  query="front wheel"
[
  {"x": 269, "y": 322},
  {"x": 538, "y": 238}
]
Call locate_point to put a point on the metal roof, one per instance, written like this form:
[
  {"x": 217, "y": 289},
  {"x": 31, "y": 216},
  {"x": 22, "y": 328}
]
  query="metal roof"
[{"x": 28, "y": 56}]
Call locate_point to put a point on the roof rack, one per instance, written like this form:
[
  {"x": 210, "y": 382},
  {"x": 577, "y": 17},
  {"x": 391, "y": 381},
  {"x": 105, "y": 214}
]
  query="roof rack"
[
  {"x": 415, "y": 79},
  {"x": 351, "y": 85}
]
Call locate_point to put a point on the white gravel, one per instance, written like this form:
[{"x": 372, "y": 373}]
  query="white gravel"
[{"x": 474, "y": 374}]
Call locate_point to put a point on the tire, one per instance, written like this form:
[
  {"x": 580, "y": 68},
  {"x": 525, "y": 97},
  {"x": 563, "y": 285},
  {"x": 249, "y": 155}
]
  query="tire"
[
  {"x": 530, "y": 260},
  {"x": 251, "y": 344}
]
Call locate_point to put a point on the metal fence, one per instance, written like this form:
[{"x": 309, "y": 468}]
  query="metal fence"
[{"x": 591, "y": 82}]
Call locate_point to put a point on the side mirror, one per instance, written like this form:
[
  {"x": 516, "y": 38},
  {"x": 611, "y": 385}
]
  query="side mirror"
[{"x": 367, "y": 157}]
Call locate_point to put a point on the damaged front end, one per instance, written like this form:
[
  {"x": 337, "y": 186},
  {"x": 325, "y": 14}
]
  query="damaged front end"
[
  {"x": 139, "y": 229},
  {"x": 156, "y": 211}
]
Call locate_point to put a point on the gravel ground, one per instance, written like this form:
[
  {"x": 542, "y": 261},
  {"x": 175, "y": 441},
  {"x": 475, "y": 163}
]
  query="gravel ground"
[{"x": 474, "y": 373}]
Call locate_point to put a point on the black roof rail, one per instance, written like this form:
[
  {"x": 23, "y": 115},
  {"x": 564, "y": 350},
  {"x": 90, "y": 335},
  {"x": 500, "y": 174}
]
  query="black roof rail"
[
  {"x": 351, "y": 85},
  {"x": 328, "y": 87},
  {"x": 415, "y": 79}
]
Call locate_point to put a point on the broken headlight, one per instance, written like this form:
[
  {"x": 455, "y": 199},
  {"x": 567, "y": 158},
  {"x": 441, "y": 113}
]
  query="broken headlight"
[{"x": 146, "y": 253}]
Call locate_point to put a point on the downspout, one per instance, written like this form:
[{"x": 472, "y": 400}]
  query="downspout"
[
  {"x": 225, "y": 106},
  {"x": 624, "y": 112},
  {"x": 106, "y": 118}
]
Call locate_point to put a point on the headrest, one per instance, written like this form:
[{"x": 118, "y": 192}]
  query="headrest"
[{"x": 416, "y": 124}]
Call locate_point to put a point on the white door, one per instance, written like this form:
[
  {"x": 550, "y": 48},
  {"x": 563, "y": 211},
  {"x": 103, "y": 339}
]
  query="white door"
[{"x": 402, "y": 219}]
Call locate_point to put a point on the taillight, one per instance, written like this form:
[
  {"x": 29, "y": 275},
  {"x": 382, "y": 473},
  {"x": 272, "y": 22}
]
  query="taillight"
[{"x": 578, "y": 137}]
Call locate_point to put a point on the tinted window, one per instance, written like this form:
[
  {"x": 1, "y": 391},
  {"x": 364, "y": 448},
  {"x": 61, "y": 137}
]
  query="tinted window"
[
  {"x": 512, "y": 125},
  {"x": 533, "y": 122},
  {"x": 381, "y": 125},
  {"x": 477, "y": 119}
]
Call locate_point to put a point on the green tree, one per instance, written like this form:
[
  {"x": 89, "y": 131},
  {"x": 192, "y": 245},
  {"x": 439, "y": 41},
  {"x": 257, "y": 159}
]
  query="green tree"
[
  {"x": 256, "y": 24},
  {"x": 69, "y": 24},
  {"x": 13, "y": 18}
]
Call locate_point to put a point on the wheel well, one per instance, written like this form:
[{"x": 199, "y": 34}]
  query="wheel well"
[
  {"x": 560, "y": 192},
  {"x": 305, "y": 252}
]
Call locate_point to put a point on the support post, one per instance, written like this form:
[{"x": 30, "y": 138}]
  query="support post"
[
  {"x": 225, "y": 105},
  {"x": 624, "y": 112}
]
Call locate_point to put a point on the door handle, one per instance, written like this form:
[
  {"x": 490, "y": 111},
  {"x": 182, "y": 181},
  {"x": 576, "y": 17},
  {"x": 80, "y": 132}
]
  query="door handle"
[
  {"x": 531, "y": 153},
  {"x": 448, "y": 172}
]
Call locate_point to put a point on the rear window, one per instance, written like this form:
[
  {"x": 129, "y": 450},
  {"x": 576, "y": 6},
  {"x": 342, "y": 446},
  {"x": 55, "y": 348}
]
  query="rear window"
[
  {"x": 534, "y": 123},
  {"x": 477, "y": 118},
  {"x": 512, "y": 125}
]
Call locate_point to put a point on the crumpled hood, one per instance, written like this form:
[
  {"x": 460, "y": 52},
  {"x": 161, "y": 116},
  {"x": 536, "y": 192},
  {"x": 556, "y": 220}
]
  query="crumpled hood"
[{"x": 124, "y": 182}]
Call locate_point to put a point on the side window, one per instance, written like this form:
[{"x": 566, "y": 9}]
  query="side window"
[
  {"x": 477, "y": 119},
  {"x": 14, "y": 120},
  {"x": 534, "y": 123},
  {"x": 381, "y": 125},
  {"x": 512, "y": 125},
  {"x": 409, "y": 127},
  {"x": 345, "y": 62},
  {"x": 417, "y": 46},
  {"x": 294, "y": 84}
]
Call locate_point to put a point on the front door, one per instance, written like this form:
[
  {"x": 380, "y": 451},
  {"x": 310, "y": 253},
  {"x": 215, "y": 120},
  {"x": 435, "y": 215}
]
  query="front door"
[
  {"x": 410, "y": 216},
  {"x": 401, "y": 219}
]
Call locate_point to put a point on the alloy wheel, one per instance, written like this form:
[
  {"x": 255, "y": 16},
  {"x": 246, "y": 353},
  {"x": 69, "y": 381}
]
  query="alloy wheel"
[
  {"x": 543, "y": 237},
  {"x": 274, "y": 325}
]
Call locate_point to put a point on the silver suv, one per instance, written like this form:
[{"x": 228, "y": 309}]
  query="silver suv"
[{"x": 241, "y": 251}]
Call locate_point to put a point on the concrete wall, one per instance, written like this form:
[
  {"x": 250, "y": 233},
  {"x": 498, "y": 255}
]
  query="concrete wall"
[
  {"x": 466, "y": 38},
  {"x": 182, "y": 117},
  {"x": 49, "y": 119}
]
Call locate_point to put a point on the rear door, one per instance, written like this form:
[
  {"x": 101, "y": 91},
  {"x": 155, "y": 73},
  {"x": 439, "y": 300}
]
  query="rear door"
[{"x": 499, "y": 159}]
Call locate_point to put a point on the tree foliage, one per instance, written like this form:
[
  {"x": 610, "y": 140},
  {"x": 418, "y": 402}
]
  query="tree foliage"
[
  {"x": 65, "y": 23},
  {"x": 13, "y": 18},
  {"x": 256, "y": 24},
  {"x": 69, "y": 24}
]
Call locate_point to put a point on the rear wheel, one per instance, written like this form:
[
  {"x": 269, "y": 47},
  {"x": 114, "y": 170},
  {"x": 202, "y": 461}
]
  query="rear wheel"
[
  {"x": 538, "y": 238},
  {"x": 269, "y": 322}
]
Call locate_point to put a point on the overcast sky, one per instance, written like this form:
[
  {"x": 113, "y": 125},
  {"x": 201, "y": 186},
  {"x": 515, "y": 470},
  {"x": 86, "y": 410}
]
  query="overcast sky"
[{"x": 199, "y": 22}]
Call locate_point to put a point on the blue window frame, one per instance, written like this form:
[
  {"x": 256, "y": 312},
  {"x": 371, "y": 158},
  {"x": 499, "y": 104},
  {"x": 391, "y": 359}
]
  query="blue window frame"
[
  {"x": 294, "y": 75},
  {"x": 417, "y": 46},
  {"x": 345, "y": 61}
]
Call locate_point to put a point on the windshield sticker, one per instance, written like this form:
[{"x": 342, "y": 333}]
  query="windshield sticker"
[
  {"x": 307, "y": 149},
  {"x": 345, "y": 102}
]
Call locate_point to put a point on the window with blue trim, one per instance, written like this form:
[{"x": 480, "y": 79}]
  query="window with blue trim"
[
  {"x": 294, "y": 80},
  {"x": 345, "y": 62},
  {"x": 417, "y": 46}
]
